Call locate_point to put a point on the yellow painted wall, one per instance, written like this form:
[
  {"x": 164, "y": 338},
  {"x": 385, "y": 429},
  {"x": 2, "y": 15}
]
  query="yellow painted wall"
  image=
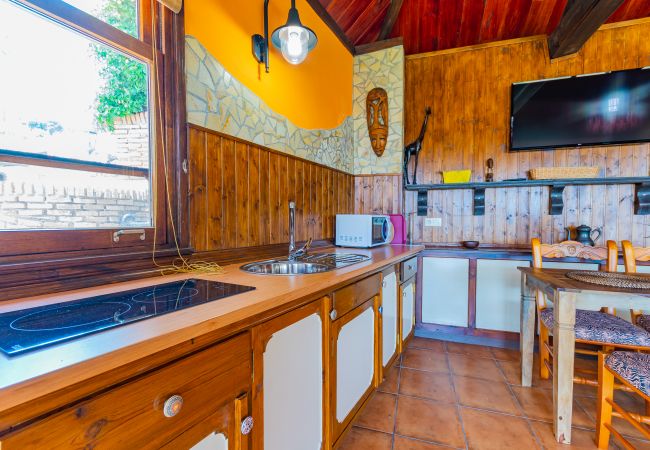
[{"x": 314, "y": 94}]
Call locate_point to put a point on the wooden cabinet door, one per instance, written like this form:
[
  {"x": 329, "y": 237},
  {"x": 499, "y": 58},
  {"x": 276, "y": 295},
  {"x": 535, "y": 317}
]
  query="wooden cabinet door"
[
  {"x": 389, "y": 318},
  {"x": 445, "y": 291},
  {"x": 407, "y": 306},
  {"x": 354, "y": 362},
  {"x": 290, "y": 389},
  {"x": 175, "y": 406},
  {"x": 227, "y": 429}
]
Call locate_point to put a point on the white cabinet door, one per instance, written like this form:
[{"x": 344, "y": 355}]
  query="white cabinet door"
[
  {"x": 293, "y": 387},
  {"x": 213, "y": 441},
  {"x": 389, "y": 317},
  {"x": 355, "y": 362},
  {"x": 498, "y": 292},
  {"x": 445, "y": 291},
  {"x": 408, "y": 308}
]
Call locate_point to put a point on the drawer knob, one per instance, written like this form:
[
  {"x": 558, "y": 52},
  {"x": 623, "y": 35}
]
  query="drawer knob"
[
  {"x": 247, "y": 425},
  {"x": 333, "y": 314},
  {"x": 383, "y": 284},
  {"x": 172, "y": 405}
]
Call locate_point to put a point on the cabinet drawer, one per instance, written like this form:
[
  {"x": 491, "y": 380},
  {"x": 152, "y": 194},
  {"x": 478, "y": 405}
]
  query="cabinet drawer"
[
  {"x": 132, "y": 415},
  {"x": 409, "y": 268},
  {"x": 346, "y": 299}
]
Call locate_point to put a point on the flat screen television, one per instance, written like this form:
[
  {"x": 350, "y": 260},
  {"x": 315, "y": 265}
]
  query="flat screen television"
[{"x": 595, "y": 109}]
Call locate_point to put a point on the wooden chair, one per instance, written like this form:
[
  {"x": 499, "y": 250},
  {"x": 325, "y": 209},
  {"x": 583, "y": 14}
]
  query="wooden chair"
[
  {"x": 631, "y": 255},
  {"x": 599, "y": 328},
  {"x": 631, "y": 370}
]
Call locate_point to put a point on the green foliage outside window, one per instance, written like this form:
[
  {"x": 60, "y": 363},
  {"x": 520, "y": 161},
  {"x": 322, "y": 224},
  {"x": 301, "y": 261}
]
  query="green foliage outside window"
[{"x": 125, "y": 80}]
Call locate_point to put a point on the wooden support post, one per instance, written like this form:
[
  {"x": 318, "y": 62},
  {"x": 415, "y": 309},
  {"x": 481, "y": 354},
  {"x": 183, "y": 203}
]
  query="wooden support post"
[
  {"x": 564, "y": 313},
  {"x": 527, "y": 331}
]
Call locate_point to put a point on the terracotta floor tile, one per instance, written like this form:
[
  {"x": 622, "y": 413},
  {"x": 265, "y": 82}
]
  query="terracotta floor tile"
[
  {"x": 505, "y": 354},
  {"x": 391, "y": 379},
  {"x": 485, "y": 394},
  {"x": 430, "y": 344},
  {"x": 432, "y": 385},
  {"x": 580, "y": 439},
  {"x": 627, "y": 402},
  {"x": 404, "y": 443},
  {"x": 469, "y": 349},
  {"x": 486, "y": 431},
  {"x": 512, "y": 372},
  {"x": 472, "y": 366},
  {"x": 360, "y": 438},
  {"x": 538, "y": 404},
  {"x": 430, "y": 421},
  {"x": 379, "y": 413},
  {"x": 415, "y": 358}
]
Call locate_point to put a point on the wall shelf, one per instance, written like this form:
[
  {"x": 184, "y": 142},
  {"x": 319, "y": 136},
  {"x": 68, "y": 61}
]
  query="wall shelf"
[{"x": 556, "y": 203}]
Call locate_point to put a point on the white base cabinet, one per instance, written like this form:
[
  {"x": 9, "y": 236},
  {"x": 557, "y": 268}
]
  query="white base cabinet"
[
  {"x": 498, "y": 292},
  {"x": 389, "y": 317},
  {"x": 408, "y": 308},
  {"x": 292, "y": 365},
  {"x": 445, "y": 291}
]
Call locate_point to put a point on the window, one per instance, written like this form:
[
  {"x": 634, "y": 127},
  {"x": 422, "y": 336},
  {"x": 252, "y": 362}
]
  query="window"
[{"x": 77, "y": 125}]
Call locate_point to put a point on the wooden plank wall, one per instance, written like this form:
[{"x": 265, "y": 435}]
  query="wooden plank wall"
[
  {"x": 378, "y": 194},
  {"x": 240, "y": 193},
  {"x": 469, "y": 92}
]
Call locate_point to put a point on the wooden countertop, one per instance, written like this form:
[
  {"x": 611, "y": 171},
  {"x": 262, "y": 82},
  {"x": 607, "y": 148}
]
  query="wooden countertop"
[{"x": 42, "y": 373}]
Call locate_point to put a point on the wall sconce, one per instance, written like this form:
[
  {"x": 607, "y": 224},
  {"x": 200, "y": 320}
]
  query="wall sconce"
[{"x": 293, "y": 39}]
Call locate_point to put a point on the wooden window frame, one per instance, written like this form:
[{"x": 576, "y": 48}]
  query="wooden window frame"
[{"x": 167, "y": 125}]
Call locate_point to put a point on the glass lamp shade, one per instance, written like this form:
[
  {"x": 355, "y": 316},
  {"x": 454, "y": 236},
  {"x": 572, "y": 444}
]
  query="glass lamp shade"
[{"x": 293, "y": 39}]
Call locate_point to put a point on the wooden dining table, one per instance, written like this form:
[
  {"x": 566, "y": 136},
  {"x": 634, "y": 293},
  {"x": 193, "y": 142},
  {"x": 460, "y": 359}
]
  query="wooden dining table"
[{"x": 567, "y": 295}]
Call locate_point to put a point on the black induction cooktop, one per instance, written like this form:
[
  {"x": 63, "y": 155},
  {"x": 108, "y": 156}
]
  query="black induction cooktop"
[{"x": 29, "y": 329}]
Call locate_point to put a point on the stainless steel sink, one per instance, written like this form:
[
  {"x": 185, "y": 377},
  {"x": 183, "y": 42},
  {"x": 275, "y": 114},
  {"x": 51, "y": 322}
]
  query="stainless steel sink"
[
  {"x": 284, "y": 267},
  {"x": 315, "y": 263}
]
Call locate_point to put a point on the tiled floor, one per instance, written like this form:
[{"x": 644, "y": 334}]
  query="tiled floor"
[{"x": 443, "y": 394}]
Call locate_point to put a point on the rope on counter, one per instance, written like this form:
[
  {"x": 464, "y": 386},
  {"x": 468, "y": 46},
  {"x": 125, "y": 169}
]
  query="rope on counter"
[{"x": 181, "y": 264}]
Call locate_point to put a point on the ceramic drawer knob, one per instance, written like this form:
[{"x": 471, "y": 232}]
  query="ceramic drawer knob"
[{"x": 173, "y": 405}]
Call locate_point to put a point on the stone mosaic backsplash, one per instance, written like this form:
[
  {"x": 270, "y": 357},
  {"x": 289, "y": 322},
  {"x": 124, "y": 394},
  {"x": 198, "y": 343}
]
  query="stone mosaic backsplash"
[
  {"x": 385, "y": 69},
  {"x": 217, "y": 101}
]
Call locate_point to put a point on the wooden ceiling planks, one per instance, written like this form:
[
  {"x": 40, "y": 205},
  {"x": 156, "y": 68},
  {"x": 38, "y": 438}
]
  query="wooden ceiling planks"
[{"x": 430, "y": 25}]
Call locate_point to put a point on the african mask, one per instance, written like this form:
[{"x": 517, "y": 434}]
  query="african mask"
[{"x": 377, "y": 114}]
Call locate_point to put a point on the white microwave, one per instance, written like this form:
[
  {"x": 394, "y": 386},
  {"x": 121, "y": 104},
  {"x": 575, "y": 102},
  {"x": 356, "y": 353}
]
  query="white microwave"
[{"x": 363, "y": 230}]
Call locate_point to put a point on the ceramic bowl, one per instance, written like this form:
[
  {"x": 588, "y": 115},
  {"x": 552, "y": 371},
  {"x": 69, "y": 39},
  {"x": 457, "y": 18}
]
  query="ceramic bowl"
[{"x": 470, "y": 244}]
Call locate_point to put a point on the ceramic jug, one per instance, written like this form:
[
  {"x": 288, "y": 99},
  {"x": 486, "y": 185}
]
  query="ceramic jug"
[{"x": 584, "y": 234}]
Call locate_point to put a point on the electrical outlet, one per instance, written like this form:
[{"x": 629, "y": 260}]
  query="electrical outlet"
[{"x": 433, "y": 222}]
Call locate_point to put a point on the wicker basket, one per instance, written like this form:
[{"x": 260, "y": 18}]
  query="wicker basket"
[{"x": 554, "y": 173}]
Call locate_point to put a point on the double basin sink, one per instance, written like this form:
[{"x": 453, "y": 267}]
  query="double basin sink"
[{"x": 316, "y": 263}]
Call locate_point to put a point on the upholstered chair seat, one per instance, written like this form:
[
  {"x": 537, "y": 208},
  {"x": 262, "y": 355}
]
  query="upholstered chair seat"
[
  {"x": 644, "y": 321},
  {"x": 600, "y": 327},
  {"x": 632, "y": 367}
]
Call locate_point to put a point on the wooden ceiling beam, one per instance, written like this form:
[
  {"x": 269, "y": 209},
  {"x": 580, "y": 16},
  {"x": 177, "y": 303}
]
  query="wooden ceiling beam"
[
  {"x": 378, "y": 45},
  {"x": 581, "y": 19},
  {"x": 331, "y": 23},
  {"x": 391, "y": 18}
]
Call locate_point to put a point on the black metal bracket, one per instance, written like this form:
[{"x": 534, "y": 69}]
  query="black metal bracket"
[
  {"x": 479, "y": 202},
  {"x": 556, "y": 200},
  {"x": 422, "y": 203},
  {"x": 642, "y": 199}
]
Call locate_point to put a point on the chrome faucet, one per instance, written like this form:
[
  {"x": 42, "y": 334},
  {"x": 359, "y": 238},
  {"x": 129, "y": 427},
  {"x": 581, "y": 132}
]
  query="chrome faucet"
[{"x": 302, "y": 251}]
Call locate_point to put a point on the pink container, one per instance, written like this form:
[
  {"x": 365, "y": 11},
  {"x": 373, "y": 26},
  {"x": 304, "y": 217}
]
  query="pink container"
[{"x": 399, "y": 225}]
